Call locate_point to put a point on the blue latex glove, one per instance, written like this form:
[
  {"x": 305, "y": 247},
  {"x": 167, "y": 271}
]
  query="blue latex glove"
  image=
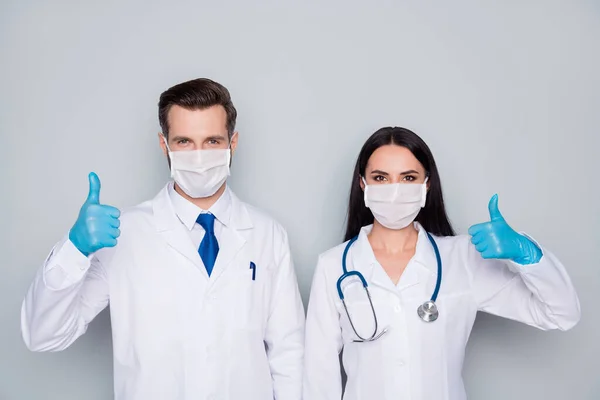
[
  {"x": 496, "y": 239},
  {"x": 97, "y": 225}
]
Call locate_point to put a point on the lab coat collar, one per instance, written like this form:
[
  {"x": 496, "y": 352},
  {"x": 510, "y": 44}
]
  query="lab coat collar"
[
  {"x": 420, "y": 268},
  {"x": 188, "y": 212},
  {"x": 232, "y": 238},
  {"x": 177, "y": 236},
  {"x": 231, "y": 211},
  {"x": 424, "y": 253}
]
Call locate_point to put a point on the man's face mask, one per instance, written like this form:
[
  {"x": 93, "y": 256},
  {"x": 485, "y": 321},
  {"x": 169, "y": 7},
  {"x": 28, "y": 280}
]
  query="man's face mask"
[{"x": 200, "y": 173}]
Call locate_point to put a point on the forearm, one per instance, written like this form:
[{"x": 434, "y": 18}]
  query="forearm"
[
  {"x": 554, "y": 301},
  {"x": 50, "y": 319},
  {"x": 66, "y": 294}
]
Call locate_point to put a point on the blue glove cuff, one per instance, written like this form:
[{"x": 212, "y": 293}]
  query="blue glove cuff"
[
  {"x": 76, "y": 242},
  {"x": 530, "y": 252}
]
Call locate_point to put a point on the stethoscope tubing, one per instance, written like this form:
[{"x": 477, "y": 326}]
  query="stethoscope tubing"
[{"x": 427, "y": 311}]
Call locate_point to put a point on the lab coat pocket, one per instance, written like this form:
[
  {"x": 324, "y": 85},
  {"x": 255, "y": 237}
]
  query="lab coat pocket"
[
  {"x": 452, "y": 308},
  {"x": 457, "y": 312},
  {"x": 364, "y": 358},
  {"x": 441, "y": 342},
  {"x": 250, "y": 288},
  {"x": 362, "y": 320}
]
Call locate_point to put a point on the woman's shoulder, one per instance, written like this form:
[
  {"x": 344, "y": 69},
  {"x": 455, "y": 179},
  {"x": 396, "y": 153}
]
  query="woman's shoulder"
[
  {"x": 333, "y": 255},
  {"x": 451, "y": 240},
  {"x": 329, "y": 263},
  {"x": 458, "y": 245}
]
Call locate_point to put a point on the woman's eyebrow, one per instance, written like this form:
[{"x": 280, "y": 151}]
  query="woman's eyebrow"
[
  {"x": 410, "y": 171},
  {"x": 379, "y": 172}
]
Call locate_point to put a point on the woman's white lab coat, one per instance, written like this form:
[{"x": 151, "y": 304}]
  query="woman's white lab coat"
[{"x": 414, "y": 359}]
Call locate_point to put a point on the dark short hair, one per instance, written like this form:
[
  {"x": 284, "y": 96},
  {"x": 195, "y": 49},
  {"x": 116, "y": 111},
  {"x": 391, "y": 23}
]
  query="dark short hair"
[
  {"x": 432, "y": 217},
  {"x": 197, "y": 94}
]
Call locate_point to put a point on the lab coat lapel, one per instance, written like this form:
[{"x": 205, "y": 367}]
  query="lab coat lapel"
[
  {"x": 232, "y": 239},
  {"x": 172, "y": 231},
  {"x": 380, "y": 278},
  {"x": 421, "y": 273},
  {"x": 364, "y": 261},
  {"x": 230, "y": 244}
]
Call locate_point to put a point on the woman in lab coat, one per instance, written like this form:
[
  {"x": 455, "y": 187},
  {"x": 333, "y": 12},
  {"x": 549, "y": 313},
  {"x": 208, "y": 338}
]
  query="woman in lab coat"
[{"x": 395, "y": 201}]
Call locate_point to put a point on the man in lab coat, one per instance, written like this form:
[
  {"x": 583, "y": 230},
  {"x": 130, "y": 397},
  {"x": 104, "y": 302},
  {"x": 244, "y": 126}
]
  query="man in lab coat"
[{"x": 203, "y": 295}]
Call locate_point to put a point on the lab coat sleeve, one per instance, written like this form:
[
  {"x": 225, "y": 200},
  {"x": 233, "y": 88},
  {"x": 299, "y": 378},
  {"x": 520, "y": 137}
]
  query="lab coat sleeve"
[
  {"x": 539, "y": 295},
  {"x": 284, "y": 336},
  {"x": 68, "y": 291},
  {"x": 323, "y": 343}
]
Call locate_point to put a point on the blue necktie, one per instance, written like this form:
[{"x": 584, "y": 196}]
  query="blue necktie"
[{"x": 209, "y": 247}]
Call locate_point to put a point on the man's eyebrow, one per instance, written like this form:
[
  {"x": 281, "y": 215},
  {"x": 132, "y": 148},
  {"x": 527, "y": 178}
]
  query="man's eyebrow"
[
  {"x": 216, "y": 137},
  {"x": 179, "y": 137}
]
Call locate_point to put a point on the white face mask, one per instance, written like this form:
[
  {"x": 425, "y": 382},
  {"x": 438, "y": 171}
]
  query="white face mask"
[
  {"x": 199, "y": 173},
  {"x": 395, "y": 205}
]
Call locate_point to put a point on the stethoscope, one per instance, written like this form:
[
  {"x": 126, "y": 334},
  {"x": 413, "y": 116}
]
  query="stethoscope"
[{"x": 427, "y": 311}]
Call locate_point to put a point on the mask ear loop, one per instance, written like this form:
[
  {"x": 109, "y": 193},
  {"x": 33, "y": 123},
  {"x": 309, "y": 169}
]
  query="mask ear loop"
[
  {"x": 365, "y": 190},
  {"x": 231, "y": 140},
  {"x": 424, "y": 190},
  {"x": 166, "y": 142},
  {"x": 169, "y": 155},
  {"x": 230, "y": 154}
]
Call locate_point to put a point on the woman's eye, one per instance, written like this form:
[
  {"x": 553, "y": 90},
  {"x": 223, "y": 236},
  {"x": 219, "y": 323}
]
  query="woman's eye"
[
  {"x": 409, "y": 178},
  {"x": 379, "y": 178}
]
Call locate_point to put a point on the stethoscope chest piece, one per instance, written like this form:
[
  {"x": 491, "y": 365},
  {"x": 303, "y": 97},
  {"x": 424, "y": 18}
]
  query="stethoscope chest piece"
[{"x": 428, "y": 311}]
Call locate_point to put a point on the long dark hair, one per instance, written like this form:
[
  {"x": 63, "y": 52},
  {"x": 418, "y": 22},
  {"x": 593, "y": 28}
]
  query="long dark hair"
[{"x": 432, "y": 217}]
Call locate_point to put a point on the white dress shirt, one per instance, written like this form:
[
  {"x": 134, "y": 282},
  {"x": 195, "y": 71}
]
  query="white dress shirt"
[{"x": 188, "y": 212}]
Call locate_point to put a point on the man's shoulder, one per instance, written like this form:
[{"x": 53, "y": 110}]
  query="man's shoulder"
[
  {"x": 260, "y": 218},
  {"x": 144, "y": 211},
  {"x": 137, "y": 217},
  {"x": 138, "y": 211}
]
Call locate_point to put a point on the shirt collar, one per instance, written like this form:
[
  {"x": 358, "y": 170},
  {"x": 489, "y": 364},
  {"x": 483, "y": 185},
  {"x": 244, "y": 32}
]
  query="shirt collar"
[
  {"x": 188, "y": 212},
  {"x": 364, "y": 258}
]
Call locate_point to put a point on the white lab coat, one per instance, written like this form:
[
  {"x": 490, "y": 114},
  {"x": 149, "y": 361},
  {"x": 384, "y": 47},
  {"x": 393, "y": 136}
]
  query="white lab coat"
[
  {"x": 178, "y": 334},
  {"x": 414, "y": 359}
]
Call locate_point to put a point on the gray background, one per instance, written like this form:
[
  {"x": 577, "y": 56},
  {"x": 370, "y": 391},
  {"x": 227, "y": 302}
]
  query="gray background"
[{"x": 505, "y": 93}]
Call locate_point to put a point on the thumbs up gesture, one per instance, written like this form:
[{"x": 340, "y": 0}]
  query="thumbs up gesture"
[
  {"x": 97, "y": 225},
  {"x": 496, "y": 239}
]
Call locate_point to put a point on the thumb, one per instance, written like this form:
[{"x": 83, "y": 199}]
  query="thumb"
[
  {"x": 94, "y": 193},
  {"x": 495, "y": 214}
]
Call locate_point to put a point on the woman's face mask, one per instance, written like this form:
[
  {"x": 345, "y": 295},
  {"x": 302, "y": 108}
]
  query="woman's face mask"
[{"x": 395, "y": 205}]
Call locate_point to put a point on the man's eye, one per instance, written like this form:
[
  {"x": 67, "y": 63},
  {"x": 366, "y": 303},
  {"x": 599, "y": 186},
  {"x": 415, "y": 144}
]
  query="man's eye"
[
  {"x": 182, "y": 141},
  {"x": 213, "y": 141}
]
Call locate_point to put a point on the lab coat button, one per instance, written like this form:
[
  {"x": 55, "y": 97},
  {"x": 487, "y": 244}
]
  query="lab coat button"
[
  {"x": 400, "y": 363},
  {"x": 397, "y": 308}
]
